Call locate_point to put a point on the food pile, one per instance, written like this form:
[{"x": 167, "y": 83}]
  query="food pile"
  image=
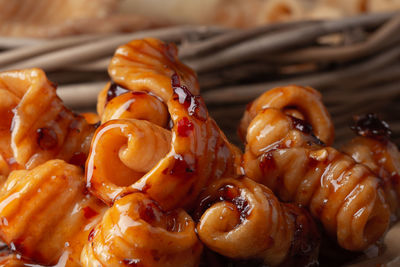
[{"x": 151, "y": 180}]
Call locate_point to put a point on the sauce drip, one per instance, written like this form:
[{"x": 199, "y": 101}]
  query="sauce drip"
[{"x": 114, "y": 91}]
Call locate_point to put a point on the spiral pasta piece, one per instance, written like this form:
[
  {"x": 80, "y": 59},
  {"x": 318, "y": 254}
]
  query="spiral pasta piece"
[
  {"x": 346, "y": 197},
  {"x": 198, "y": 153},
  {"x": 42, "y": 128},
  {"x": 301, "y": 102},
  {"x": 135, "y": 231},
  {"x": 244, "y": 220},
  {"x": 374, "y": 149},
  {"x": 45, "y": 212},
  {"x": 122, "y": 152}
]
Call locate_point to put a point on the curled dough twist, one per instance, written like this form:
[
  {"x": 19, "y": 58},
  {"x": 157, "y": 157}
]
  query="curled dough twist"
[
  {"x": 300, "y": 102},
  {"x": 42, "y": 128},
  {"x": 346, "y": 197},
  {"x": 143, "y": 66},
  {"x": 44, "y": 212},
  {"x": 374, "y": 149},
  {"x": 122, "y": 152},
  {"x": 244, "y": 220},
  {"x": 198, "y": 152},
  {"x": 136, "y": 231}
]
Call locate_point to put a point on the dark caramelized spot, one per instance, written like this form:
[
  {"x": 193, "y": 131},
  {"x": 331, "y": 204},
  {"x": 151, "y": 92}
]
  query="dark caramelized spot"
[
  {"x": 180, "y": 168},
  {"x": 175, "y": 80},
  {"x": 184, "y": 127},
  {"x": 169, "y": 51},
  {"x": 267, "y": 162},
  {"x": 114, "y": 91},
  {"x": 78, "y": 159},
  {"x": 306, "y": 239},
  {"x": 301, "y": 125},
  {"x": 194, "y": 104},
  {"x": 89, "y": 213},
  {"x": 370, "y": 125},
  {"x": 131, "y": 262},
  {"x": 305, "y": 128},
  {"x": 46, "y": 138},
  {"x": 146, "y": 212},
  {"x": 232, "y": 194}
]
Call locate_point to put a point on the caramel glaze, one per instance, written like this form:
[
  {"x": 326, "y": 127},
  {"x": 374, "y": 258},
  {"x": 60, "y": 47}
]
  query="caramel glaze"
[
  {"x": 38, "y": 132},
  {"x": 243, "y": 220},
  {"x": 199, "y": 153},
  {"x": 300, "y": 102},
  {"x": 345, "y": 196},
  {"x": 374, "y": 149},
  {"x": 46, "y": 212},
  {"x": 126, "y": 104},
  {"x": 135, "y": 231}
]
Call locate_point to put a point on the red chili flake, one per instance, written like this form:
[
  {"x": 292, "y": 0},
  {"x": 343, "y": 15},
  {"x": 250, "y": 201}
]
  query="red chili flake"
[
  {"x": 267, "y": 162},
  {"x": 88, "y": 212},
  {"x": 184, "y": 127},
  {"x": 181, "y": 168}
]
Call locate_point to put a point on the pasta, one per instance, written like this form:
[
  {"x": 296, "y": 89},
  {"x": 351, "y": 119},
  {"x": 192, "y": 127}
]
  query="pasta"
[
  {"x": 243, "y": 219},
  {"x": 135, "y": 231},
  {"x": 282, "y": 153},
  {"x": 45, "y": 131},
  {"x": 192, "y": 150},
  {"x": 374, "y": 149},
  {"x": 40, "y": 219},
  {"x": 118, "y": 188},
  {"x": 301, "y": 102}
]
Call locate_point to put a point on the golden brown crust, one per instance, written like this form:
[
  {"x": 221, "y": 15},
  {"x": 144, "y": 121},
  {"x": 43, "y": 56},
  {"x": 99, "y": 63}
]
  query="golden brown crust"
[
  {"x": 45, "y": 211},
  {"x": 346, "y": 197},
  {"x": 45, "y": 131},
  {"x": 382, "y": 157},
  {"x": 148, "y": 74},
  {"x": 244, "y": 220},
  {"x": 135, "y": 231},
  {"x": 305, "y": 100}
]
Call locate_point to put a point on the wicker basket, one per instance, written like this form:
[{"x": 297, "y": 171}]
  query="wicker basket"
[{"x": 354, "y": 62}]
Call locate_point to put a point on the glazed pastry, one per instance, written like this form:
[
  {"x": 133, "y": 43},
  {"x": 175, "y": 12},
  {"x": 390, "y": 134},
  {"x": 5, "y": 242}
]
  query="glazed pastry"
[
  {"x": 283, "y": 154},
  {"x": 374, "y": 149},
  {"x": 42, "y": 128},
  {"x": 135, "y": 231},
  {"x": 151, "y": 85},
  {"x": 244, "y": 220},
  {"x": 45, "y": 212},
  {"x": 9, "y": 100},
  {"x": 300, "y": 102},
  {"x": 144, "y": 68},
  {"x": 199, "y": 153}
]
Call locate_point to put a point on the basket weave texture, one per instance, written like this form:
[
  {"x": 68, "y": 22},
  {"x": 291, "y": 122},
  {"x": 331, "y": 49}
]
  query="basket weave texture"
[{"x": 354, "y": 62}]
